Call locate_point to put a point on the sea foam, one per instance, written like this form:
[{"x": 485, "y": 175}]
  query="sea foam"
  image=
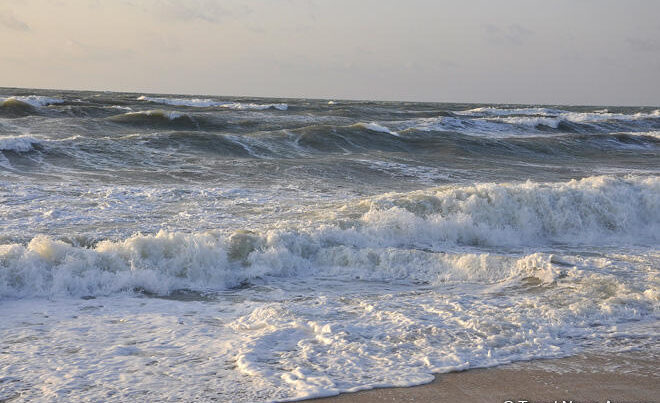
[
  {"x": 394, "y": 236},
  {"x": 19, "y": 144},
  {"x": 32, "y": 100},
  {"x": 206, "y": 103},
  {"x": 499, "y": 122}
]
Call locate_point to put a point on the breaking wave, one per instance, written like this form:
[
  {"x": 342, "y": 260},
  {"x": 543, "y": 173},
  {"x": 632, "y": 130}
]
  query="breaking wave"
[
  {"x": 487, "y": 120},
  {"x": 375, "y": 127},
  {"x": 18, "y": 144},
  {"x": 207, "y": 103},
  {"x": 19, "y": 106},
  {"x": 407, "y": 236},
  {"x": 35, "y": 101}
]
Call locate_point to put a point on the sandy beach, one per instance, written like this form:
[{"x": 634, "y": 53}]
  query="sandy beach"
[{"x": 626, "y": 377}]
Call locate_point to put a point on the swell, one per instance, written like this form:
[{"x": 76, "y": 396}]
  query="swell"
[
  {"x": 416, "y": 236},
  {"x": 12, "y": 108},
  {"x": 482, "y": 126},
  {"x": 504, "y": 123},
  {"x": 157, "y": 118},
  {"x": 211, "y": 104},
  {"x": 311, "y": 141},
  {"x": 20, "y": 106}
]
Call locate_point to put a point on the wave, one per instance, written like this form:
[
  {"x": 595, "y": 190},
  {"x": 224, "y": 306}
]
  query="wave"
[
  {"x": 361, "y": 137},
  {"x": 375, "y": 127},
  {"x": 491, "y": 119},
  {"x": 514, "y": 124},
  {"x": 655, "y": 134},
  {"x": 577, "y": 117},
  {"x": 593, "y": 210},
  {"x": 222, "y": 144},
  {"x": 599, "y": 115},
  {"x": 196, "y": 135},
  {"x": 407, "y": 236},
  {"x": 251, "y": 106},
  {"x": 35, "y": 101},
  {"x": 206, "y": 103},
  {"x": 18, "y": 144},
  {"x": 346, "y": 139},
  {"x": 19, "y": 106},
  {"x": 492, "y": 111},
  {"x": 156, "y": 118}
]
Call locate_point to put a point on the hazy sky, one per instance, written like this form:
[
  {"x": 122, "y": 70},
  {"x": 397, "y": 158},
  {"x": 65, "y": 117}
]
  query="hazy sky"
[{"x": 526, "y": 51}]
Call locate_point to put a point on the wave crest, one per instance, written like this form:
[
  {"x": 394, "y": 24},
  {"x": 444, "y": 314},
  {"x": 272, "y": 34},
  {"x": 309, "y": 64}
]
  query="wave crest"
[
  {"x": 32, "y": 100},
  {"x": 156, "y": 118},
  {"x": 18, "y": 144},
  {"x": 406, "y": 236},
  {"x": 208, "y": 103}
]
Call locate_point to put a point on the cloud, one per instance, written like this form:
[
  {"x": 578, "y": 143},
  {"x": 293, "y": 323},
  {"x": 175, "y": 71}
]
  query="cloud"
[
  {"x": 513, "y": 34},
  {"x": 8, "y": 20}
]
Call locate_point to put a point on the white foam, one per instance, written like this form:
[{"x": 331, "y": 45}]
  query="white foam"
[
  {"x": 375, "y": 127},
  {"x": 205, "y": 103},
  {"x": 503, "y": 121},
  {"x": 156, "y": 263},
  {"x": 194, "y": 102},
  {"x": 552, "y": 117},
  {"x": 318, "y": 337},
  {"x": 386, "y": 241},
  {"x": 478, "y": 127},
  {"x": 171, "y": 115},
  {"x": 495, "y": 122},
  {"x": 492, "y": 111},
  {"x": 252, "y": 106},
  {"x": 19, "y": 144},
  {"x": 382, "y": 291},
  {"x": 33, "y": 100},
  {"x": 531, "y": 121},
  {"x": 123, "y": 108}
]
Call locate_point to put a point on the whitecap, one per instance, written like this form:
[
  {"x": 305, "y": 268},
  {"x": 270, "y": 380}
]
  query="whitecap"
[
  {"x": 33, "y": 100},
  {"x": 206, "y": 103},
  {"x": 375, "y": 127},
  {"x": 19, "y": 144}
]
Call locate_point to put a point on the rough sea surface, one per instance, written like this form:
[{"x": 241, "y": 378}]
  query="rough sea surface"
[{"x": 170, "y": 247}]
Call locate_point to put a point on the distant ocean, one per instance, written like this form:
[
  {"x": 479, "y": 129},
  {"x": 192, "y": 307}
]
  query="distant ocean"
[{"x": 180, "y": 248}]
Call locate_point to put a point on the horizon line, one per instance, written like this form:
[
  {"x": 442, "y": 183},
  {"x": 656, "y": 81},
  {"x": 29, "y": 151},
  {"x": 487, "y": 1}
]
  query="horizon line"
[{"x": 149, "y": 92}]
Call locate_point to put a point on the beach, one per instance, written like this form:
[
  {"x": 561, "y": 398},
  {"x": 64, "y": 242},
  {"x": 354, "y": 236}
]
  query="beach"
[{"x": 623, "y": 377}]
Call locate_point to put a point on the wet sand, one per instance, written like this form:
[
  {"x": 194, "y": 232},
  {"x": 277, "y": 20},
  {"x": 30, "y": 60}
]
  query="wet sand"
[{"x": 624, "y": 377}]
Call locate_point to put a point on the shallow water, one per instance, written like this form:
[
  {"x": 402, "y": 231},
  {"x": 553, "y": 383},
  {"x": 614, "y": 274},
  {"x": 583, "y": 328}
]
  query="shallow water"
[{"x": 179, "y": 248}]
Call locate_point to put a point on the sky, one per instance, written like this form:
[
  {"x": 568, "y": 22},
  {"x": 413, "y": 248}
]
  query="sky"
[{"x": 596, "y": 52}]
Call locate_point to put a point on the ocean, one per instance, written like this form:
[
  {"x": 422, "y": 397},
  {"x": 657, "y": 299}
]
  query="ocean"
[{"x": 180, "y": 248}]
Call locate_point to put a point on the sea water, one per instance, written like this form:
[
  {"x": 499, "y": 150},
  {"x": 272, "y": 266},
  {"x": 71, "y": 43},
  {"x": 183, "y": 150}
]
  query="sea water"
[{"x": 169, "y": 247}]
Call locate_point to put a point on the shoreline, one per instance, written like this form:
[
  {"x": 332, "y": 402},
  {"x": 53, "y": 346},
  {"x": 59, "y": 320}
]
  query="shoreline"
[{"x": 587, "y": 377}]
